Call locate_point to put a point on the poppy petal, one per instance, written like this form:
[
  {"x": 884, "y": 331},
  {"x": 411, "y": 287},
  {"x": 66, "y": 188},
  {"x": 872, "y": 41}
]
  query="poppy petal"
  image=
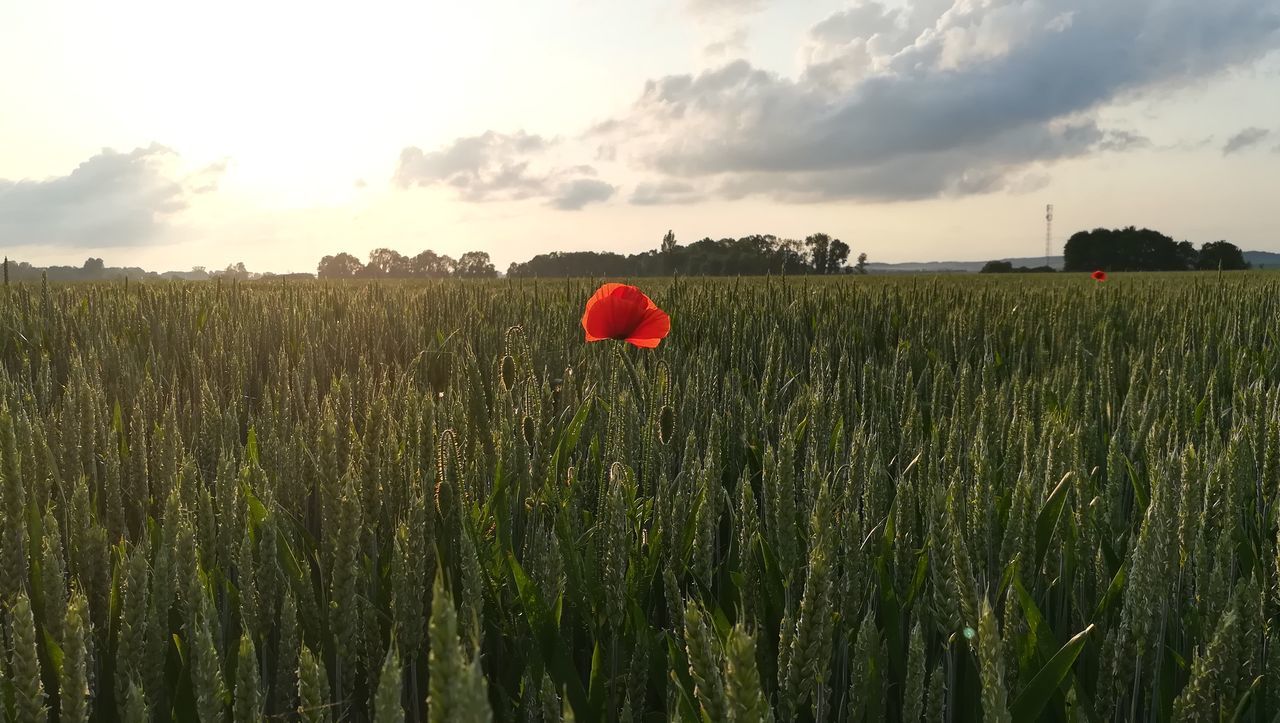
[
  {"x": 620, "y": 311},
  {"x": 598, "y": 319},
  {"x": 628, "y": 309},
  {"x": 593, "y": 323},
  {"x": 652, "y": 328},
  {"x": 601, "y": 294},
  {"x": 643, "y": 343}
]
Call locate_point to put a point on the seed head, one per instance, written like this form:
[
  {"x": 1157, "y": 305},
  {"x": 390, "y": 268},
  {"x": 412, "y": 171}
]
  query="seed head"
[
  {"x": 507, "y": 372},
  {"x": 666, "y": 424}
]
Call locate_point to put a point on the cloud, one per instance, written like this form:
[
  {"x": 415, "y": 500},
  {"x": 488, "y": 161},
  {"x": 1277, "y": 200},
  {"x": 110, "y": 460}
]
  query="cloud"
[
  {"x": 490, "y": 166},
  {"x": 573, "y": 195},
  {"x": 734, "y": 41},
  {"x": 1246, "y": 138},
  {"x": 1122, "y": 140},
  {"x": 501, "y": 167},
  {"x": 934, "y": 98},
  {"x": 725, "y": 7},
  {"x": 667, "y": 192},
  {"x": 853, "y": 42},
  {"x": 111, "y": 199},
  {"x": 1005, "y": 163}
]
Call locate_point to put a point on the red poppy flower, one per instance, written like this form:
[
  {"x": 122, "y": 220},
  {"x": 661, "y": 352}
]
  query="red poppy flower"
[
  {"x": 1099, "y": 275},
  {"x": 618, "y": 311}
]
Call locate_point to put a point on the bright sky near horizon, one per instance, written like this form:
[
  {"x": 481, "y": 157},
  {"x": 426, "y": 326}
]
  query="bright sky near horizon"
[{"x": 168, "y": 134}]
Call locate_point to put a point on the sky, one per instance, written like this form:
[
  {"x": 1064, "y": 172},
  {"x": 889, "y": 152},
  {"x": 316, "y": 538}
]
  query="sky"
[{"x": 169, "y": 135}]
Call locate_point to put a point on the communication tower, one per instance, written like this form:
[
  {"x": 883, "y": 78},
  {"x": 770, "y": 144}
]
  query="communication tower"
[{"x": 1048, "y": 233}]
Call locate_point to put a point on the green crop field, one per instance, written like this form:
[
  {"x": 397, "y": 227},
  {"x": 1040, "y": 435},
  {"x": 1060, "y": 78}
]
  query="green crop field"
[{"x": 856, "y": 499}]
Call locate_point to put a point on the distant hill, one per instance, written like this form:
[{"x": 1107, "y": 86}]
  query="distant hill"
[
  {"x": 1256, "y": 259},
  {"x": 96, "y": 270},
  {"x": 1262, "y": 259},
  {"x": 935, "y": 267}
]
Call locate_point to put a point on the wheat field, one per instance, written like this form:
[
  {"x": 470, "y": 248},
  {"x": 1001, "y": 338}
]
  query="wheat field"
[{"x": 853, "y": 499}]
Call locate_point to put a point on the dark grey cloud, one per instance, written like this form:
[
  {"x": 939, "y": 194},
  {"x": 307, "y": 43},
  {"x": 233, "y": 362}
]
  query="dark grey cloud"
[
  {"x": 573, "y": 195},
  {"x": 111, "y": 199},
  {"x": 1007, "y": 163},
  {"x": 935, "y": 98},
  {"x": 1246, "y": 138},
  {"x": 501, "y": 167}
]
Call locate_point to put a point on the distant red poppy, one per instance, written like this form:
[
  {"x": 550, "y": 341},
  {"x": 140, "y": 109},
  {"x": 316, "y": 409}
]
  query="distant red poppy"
[
  {"x": 1099, "y": 275},
  {"x": 618, "y": 311}
]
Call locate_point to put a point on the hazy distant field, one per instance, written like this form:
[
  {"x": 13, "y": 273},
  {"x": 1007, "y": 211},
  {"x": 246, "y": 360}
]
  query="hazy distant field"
[{"x": 864, "y": 498}]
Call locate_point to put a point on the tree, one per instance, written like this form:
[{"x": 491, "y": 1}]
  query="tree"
[
  {"x": 475, "y": 264},
  {"x": 341, "y": 266},
  {"x": 819, "y": 246},
  {"x": 826, "y": 255},
  {"x": 1221, "y": 255},
  {"x": 861, "y": 266},
  {"x": 581, "y": 263},
  {"x": 668, "y": 250},
  {"x": 788, "y": 255},
  {"x": 837, "y": 257},
  {"x": 996, "y": 267},
  {"x": 1127, "y": 249},
  {"x": 94, "y": 265},
  {"x": 431, "y": 265},
  {"x": 1187, "y": 254},
  {"x": 234, "y": 271},
  {"x": 387, "y": 262}
]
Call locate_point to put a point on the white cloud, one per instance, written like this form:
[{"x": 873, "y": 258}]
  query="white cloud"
[
  {"x": 730, "y": 43},
  {"x": 502, "y": 167},
  {"x": 111, "y": 199},
  {"x": 725, "y": 7}
]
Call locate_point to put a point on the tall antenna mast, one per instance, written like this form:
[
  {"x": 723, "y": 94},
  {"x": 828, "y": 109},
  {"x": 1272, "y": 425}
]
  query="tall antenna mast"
[{"x": 1048, "y": 233}]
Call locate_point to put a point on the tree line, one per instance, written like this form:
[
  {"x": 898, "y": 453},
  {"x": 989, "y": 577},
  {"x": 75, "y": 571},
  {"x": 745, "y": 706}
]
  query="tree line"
[
  {"x": 387, "y": 263},
  {"x": 747, "y": 256},
  {"x": 1007, "y": 267},
  {"x": 1126, "y": 249},
  {"x": 1133, "y": 249},
  {"x": 94, "y": 269}
]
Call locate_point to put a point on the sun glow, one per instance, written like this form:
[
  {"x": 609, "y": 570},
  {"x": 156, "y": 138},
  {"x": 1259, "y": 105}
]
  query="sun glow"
[{"x": 303, "y": 97}]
